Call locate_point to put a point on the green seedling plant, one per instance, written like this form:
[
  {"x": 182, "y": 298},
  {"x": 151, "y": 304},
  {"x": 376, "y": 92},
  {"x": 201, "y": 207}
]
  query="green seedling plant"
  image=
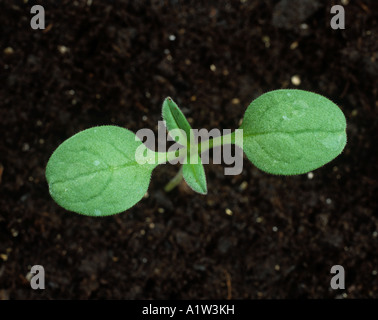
[{"x": 99, "y": 172}]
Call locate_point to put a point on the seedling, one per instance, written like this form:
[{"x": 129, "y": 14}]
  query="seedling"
[{"x": 101, "y": 171}]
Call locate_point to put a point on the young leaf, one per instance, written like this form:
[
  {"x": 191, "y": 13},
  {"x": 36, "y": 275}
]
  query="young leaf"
[
  {"x": 95, "y": 172},
  {"x": 194, "y": 174},
  {"x": 292, "y": 131},
  {"x": 175, "y": 119}
]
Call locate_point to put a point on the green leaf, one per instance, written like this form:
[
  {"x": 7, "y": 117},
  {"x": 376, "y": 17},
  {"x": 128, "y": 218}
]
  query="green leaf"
[
  {"x": 292, "y": 131},
  {"x": 175, "y": 119},
  {"x": 95, "y": 172},
  {"x": 194, "y": 174}
]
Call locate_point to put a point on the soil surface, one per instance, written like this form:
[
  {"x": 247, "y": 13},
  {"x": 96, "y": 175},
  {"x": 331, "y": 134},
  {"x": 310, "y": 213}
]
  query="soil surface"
[{"x": 253, "y": 235}]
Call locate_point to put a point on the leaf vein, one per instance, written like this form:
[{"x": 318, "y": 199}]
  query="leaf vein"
[{"x": 291, "y": 132}]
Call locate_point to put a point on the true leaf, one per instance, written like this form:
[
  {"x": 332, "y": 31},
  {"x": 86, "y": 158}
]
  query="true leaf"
[
  {"x": 175, "y": 119},
  {"x": 95, "y": 172},
  {"x": 292, "y": 131},
  {"x": 194, "y": 174}
]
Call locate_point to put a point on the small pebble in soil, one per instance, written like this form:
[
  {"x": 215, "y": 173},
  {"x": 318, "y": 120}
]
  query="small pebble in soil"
[
  {"x": 310, "y": 175},
  {"x": 25, "y": 147},
  {"x": 243, "y": 186},
  {"x": 296, "y": 80},
  {"x": 172, "y": 37},
  {"x": 213, "y": 68},
  {"x": 275, "y": 229},
  {"x": 235, "y": 101},
  {"x": 63, "y": 49},
  {"x": 228, "y": 212},
  {"x": 266, "y": 41},
  {"x": 8, "y": 50},
  {"x": 29, "y": 276},
  {"x": 277, "y": 267},
  {"x": 328, "y": 201},
  {"x": 259, "y": 219},
  {"x": 294, "y": 45}
]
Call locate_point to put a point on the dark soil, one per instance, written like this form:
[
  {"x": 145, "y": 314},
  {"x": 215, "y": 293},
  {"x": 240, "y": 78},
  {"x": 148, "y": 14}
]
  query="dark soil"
[{"x": 113, "y": 62}]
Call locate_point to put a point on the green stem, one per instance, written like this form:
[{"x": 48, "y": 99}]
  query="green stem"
[
  {"x": 174, "y": 182},
  {"x": 217, "y": 141},
  {"x": 163, "y": 157}
]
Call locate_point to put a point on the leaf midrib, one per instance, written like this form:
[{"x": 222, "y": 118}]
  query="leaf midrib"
[
  {"x": 292, "y": 132},
  {"x": 196, "y": 177},
  {"x": 110, "y": 169},
  {"x": 173, "y": 113}
]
